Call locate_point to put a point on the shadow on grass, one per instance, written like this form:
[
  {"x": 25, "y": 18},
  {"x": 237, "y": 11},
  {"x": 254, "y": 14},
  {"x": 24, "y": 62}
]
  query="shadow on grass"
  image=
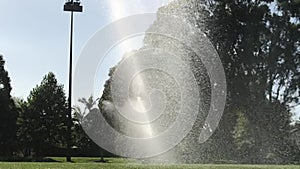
[
  {"x": 26, "y": 159},
  {"x": 101, "y": 161}
]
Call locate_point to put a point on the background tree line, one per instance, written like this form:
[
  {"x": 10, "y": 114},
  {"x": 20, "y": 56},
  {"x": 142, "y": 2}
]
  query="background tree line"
[
  {"x": 258, "y": 42},
  {"x": 37, "y": 127}
]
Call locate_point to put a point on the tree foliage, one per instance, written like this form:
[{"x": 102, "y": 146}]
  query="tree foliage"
[
  {"x": 86, "y": 117},
  {"x": 260, "y": 52},
  {"x": 8, "y": 114},
  {"x": 47, "y": 114}
]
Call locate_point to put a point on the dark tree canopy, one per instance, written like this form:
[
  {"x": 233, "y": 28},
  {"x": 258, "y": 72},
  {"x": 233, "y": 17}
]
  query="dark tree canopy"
[
  {"x": 47, "y": 114},
  {"x": 8, "y": 113}
]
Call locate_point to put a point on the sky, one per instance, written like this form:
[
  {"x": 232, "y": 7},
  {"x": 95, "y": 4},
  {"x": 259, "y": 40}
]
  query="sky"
[{"x": 34, "y": 37}]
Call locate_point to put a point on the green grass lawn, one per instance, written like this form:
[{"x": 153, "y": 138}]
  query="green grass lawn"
[{"x": 120, "y": 163}]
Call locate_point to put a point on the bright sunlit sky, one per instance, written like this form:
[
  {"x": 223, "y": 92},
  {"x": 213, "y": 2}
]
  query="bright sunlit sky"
[{"x": 34, "y": 36}]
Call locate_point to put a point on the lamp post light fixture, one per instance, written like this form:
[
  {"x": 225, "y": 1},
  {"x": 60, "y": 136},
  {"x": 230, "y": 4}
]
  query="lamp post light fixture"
[{"x": 71, "y": 6}]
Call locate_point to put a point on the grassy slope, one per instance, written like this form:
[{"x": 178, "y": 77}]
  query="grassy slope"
[
  {"x": 130, "y": 166},
  {"x": 119, "y": 163}
]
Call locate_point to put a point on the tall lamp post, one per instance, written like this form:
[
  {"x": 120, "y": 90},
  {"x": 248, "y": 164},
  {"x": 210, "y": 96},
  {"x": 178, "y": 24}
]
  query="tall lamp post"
[{"x": 71, "y": 6}]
